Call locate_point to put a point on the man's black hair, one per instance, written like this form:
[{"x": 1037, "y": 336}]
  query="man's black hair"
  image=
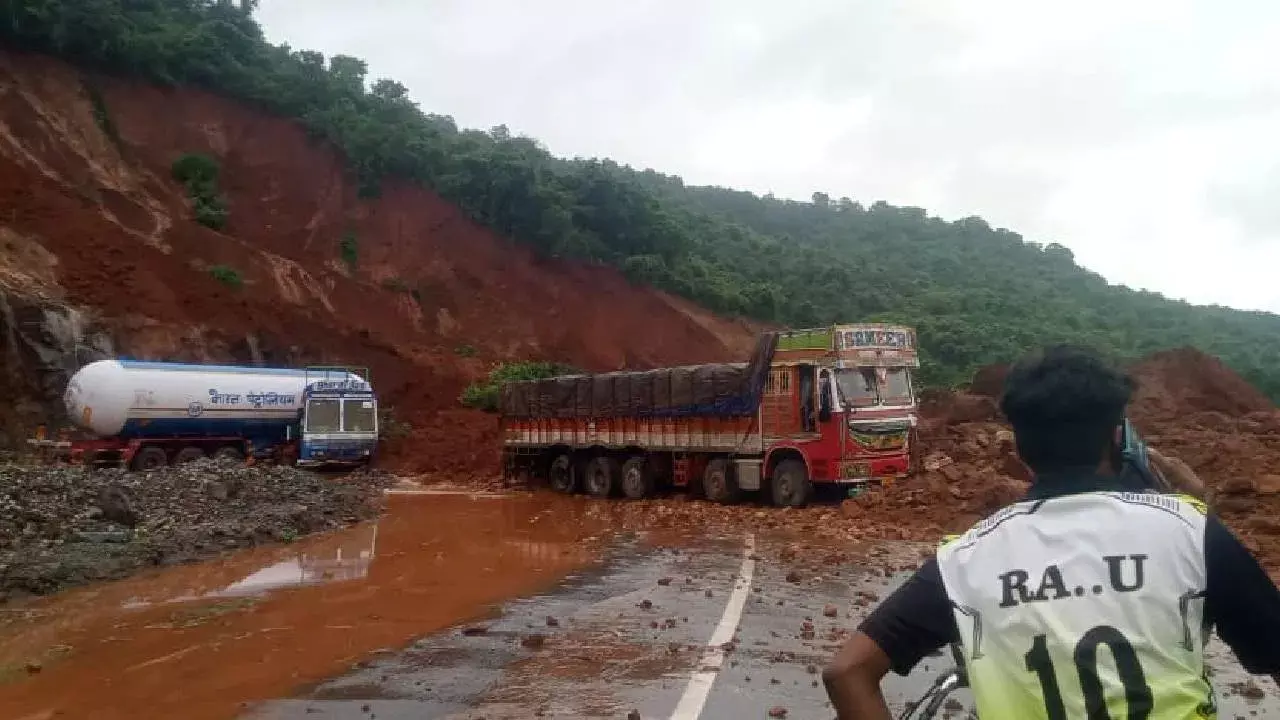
[{"x": 1065, "y": 403}]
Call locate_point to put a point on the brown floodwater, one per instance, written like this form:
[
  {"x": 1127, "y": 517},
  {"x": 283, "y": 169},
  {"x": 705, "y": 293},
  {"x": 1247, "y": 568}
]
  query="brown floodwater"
[{"x": 199, "y": 641}]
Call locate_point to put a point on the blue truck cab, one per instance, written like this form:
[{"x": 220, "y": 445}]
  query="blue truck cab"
[{"x": 339, "y": 423}]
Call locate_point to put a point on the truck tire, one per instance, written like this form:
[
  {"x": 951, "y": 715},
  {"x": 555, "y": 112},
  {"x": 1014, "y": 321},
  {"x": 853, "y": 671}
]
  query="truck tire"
[
  {"x": 637, "y": 478},
  {"x": 560, "y": 474},
  {"x": 602, "y": 476},
  {"x": 187, "y": 454},
  {"x": 718, "y": 483},
  {"x": 150, "y": 458},
  {"x": 791, "y": 485}
]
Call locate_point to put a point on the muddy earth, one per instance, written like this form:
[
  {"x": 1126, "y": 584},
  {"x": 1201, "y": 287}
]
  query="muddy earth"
[
  {"x": 467, "y": 606},
  {"x": 64, "y": 526}
]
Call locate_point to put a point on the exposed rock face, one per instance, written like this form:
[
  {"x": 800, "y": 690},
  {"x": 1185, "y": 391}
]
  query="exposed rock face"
[{"x": 43, "y": 342}]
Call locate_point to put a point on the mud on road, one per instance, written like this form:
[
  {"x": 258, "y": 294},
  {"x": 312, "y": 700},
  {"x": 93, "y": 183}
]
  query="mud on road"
[{"x": 480, "y": 606}]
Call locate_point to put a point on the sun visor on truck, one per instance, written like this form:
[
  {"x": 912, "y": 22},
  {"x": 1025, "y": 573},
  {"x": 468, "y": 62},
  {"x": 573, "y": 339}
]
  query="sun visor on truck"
[{"x": 721, "y": 389}]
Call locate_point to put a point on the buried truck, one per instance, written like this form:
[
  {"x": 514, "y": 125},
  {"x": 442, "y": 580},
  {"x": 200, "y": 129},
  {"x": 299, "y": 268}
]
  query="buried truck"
[
  {"x": 144, "y": 415},
  {"x": 832, "y": 405}
]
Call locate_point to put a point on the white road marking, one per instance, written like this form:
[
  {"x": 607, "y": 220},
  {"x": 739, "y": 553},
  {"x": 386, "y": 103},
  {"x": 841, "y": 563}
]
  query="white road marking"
[{"x": 695, "y": 694}]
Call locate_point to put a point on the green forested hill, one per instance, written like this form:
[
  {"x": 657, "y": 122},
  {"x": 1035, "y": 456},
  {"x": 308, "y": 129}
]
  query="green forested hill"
[{"x": 976, "y": 294}]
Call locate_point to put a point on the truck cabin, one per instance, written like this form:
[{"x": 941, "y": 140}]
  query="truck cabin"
[
  {"x": 339, "y": 421},
  {"x": 853, "y": 391},
  {"x": 856, "y": 369}
]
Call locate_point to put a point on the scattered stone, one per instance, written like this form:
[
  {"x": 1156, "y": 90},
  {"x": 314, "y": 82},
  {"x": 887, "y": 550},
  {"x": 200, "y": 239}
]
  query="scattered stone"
[
  {"x": 793, "y": 577},
  {"x": 777, "y": 712},
  {"x": 646, "y": 605},
  {"x": 534, "y": 641},
  {"x": 633, "y": 715},
  {"x": 664, "y": 581},
  {"x": 55, "y": 519},
  {"x": 830, "y": 611}
]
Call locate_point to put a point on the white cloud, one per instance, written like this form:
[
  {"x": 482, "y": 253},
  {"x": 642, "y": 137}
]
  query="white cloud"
[{"x": 1139, "y": 134}]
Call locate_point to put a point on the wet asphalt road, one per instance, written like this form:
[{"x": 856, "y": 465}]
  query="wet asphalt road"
[{"x": 642, "y": 632}]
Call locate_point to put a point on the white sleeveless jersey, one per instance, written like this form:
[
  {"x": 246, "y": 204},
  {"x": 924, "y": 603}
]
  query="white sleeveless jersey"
[{"x": 1084, "y": 606}]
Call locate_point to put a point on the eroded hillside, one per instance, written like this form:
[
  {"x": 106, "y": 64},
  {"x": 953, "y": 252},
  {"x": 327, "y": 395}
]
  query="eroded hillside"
[{"x": 101, "y": 256}]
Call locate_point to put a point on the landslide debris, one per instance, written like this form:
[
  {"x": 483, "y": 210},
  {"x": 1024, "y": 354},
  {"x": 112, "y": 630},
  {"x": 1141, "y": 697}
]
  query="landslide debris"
[
  {"x": 1187, "y": 403},
  {"x": 64, "y": 526}
]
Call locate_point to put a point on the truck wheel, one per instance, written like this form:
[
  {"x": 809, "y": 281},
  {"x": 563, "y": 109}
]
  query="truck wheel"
[
  {"x": 187, "y": 454},
  {"x": 602, "y": 476},
  {"x": 150, "y": 458},
  {"x": 560, "y": 474},
  {"x": 791, "y": 486},
  {"x": 228, "y": 453},
  {"x": 637, "y": 478},
  {"x": 718, "y": 484}
]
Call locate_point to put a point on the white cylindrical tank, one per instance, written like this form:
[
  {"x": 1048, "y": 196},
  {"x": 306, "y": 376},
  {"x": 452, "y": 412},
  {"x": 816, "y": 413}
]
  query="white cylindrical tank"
[{"x": 136, "y": 398}]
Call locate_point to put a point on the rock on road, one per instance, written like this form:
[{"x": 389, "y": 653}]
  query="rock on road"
[{"x": 723, "y": 629}]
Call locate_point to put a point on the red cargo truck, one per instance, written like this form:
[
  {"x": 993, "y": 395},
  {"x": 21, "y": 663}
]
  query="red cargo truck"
[{"x": 832, "y": 405}]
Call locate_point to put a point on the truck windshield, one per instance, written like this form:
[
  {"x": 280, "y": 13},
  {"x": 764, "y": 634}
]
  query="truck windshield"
[
  {"x": 323, "y": 415},
  {"x": 359, "y": 415},
  {"x": 857, "y": 386},
  {"x": 896, "y": 388}
]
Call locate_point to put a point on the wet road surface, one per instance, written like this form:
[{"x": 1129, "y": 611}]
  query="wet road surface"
[
  {"x": 469, "y": 607},
  {"x": 731, "y": 628}
]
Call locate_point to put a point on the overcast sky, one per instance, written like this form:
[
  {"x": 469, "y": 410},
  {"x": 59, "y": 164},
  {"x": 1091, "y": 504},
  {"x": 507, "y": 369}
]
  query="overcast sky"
[{"x": 1144, "y": 135}]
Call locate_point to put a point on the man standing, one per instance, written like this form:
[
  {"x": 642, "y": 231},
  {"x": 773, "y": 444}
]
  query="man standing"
[{"x": 1085, "y": 599}]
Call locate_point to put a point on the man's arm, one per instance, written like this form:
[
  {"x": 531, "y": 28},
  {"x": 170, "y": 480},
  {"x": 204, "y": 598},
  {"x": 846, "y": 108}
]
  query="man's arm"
[
  {"x": 913, "y": 622},
  {"x": 1242, "y": 602}
]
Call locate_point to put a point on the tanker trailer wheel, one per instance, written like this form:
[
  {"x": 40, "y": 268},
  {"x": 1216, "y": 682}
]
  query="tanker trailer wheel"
[
  {"x": 187, "y": 454},
  {"x": 791, "y": 485},
  {"x": 718, "y": 483},
  {"x": 560, "y": 474},
  {"x": 602, "y": 476},
  {"x": 150, "y": 458},
  {"x": 637, "y": 478}
]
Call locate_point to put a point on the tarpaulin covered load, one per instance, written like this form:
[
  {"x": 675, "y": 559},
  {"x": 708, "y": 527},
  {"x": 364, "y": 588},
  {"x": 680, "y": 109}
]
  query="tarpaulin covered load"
[{"x": 721, "y": 389}]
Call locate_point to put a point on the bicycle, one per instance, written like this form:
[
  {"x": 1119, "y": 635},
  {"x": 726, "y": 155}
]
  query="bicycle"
[{"x": 948, "y": 682}]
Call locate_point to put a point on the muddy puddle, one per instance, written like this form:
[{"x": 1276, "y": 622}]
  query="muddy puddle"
[{"x": 202, "y": 641}]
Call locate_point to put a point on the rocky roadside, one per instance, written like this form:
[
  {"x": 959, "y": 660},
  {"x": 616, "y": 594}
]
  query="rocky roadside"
[{"x": 66, "y": 526}]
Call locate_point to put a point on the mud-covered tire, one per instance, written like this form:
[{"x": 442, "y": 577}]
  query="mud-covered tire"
[
  {"x": 150, "y": 458},
  {"x": 790, "y": 485},
  {"x": 560, "y": 475},
  {"x": 602, "y": 476},
  {"x": 228, "y": 453},
  {"x": 637, "y": 478},
  {"x": 718, "y": 483},
  {"x": 187, "y": 454}
]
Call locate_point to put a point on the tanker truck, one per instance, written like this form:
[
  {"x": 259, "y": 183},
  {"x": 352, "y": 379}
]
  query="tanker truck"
[
  {"x": 145, "y": 415},
  {"x": 825, "y": 406}
]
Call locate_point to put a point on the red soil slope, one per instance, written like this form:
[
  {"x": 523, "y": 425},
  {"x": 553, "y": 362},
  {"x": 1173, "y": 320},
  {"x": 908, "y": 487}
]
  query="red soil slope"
[{"x": 114, "y": 234}]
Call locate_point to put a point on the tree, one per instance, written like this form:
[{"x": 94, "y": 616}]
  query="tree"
[{"x": 976, "y": 294}]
